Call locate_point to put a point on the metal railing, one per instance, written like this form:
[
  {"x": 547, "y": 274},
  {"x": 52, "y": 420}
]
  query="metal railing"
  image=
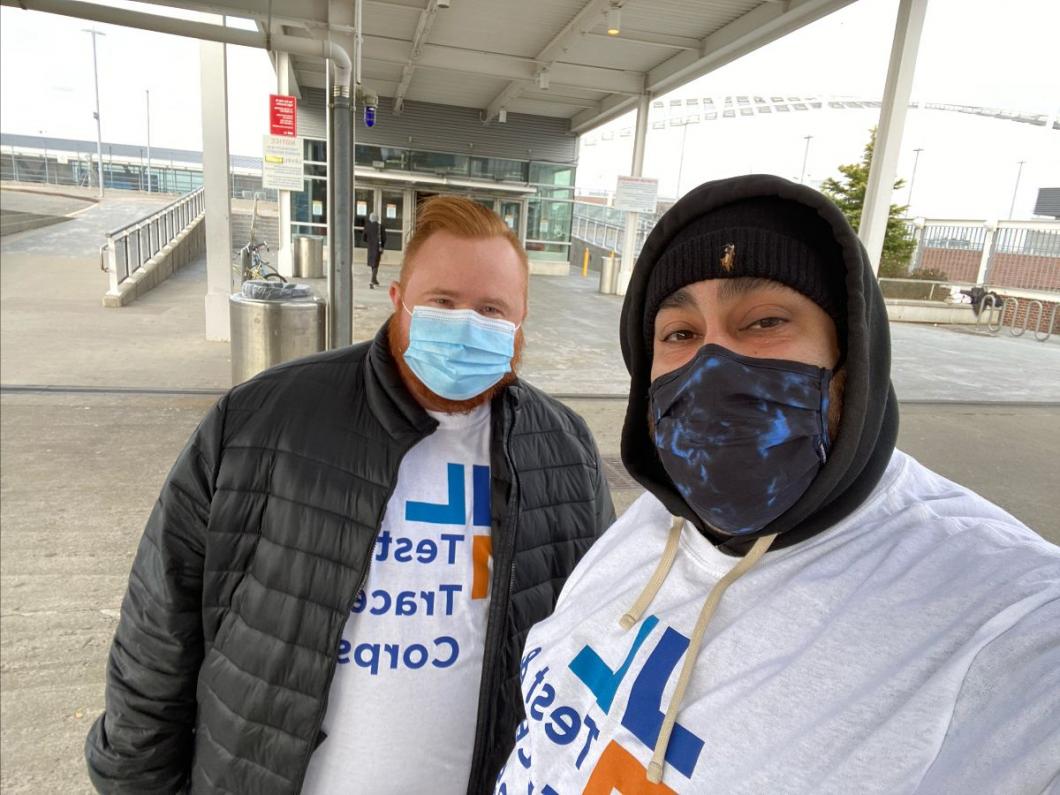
[
  {"x": 129, "y": 247},
  {"x": 605, "y": 227},
  {"x": 80, "y": 169},
  {"x": 1015, "y": 255}
]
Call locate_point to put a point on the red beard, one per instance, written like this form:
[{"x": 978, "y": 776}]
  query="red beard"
[{"x": 433, "y": 401}]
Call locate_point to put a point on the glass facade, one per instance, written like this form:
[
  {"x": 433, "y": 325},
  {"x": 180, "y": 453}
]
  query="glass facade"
[
  {"x": 309, "y": 207},
  {"x": 548, "y": 212}
]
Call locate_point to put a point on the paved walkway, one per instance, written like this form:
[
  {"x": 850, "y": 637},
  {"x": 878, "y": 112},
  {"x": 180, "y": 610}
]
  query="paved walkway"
[
  {"x": 83, "y": 234},
  {"x": 81, "y": 469},
  {"x": 572, "y": 340}
]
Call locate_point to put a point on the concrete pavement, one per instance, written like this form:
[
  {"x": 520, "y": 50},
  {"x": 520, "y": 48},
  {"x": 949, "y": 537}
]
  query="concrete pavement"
[{"x": 80, "y": 470}]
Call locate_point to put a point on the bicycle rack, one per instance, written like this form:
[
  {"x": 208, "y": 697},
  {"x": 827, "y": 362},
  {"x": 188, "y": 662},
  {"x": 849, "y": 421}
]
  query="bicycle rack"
[
  {"x": 1015, "y": 304},
  {"x": 995, "y": 318},
  {"x": 1027, "y": 319},
  {"x": 988, "y": 311},
  {"x": 1048, "y": 328}
]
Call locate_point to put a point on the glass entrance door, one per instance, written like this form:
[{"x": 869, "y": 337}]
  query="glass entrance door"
[
  {"x": 363, "y": 204},
  {"x": 393, "y": 219},
  {"x": 511, "y": 212}
]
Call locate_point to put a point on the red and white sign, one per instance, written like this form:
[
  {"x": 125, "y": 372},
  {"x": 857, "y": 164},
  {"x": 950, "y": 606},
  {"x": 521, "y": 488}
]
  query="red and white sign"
[{"x": 283, "y": 115}]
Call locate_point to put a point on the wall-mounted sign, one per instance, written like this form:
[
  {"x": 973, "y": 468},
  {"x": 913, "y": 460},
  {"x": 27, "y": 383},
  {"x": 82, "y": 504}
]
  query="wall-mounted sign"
[
  {"x": 318, "y": 207},
  {"x": 636, "y": 194},
  {"x": 281, "y": 163},
  {"x": 391, "y": 211},
  {"x": 283, "y": 115},
  {"x": 362, "y": 208}
]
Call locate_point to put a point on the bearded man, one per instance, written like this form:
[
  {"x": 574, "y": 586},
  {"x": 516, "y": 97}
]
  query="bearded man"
[{"x": 334, "y": 587}]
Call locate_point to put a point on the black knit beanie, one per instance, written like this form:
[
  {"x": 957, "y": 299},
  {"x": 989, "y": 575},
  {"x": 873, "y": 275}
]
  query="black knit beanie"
[{"x": 765, "y": 237}]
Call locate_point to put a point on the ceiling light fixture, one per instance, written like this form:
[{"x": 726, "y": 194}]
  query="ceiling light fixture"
[{"x": 614, "y": 19}]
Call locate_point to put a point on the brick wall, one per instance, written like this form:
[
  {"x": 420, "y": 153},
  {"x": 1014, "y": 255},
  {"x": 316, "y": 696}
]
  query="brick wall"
[
  {"x": 1006, "y": 270},
  {"x": 961, "y": 265},
  {"x": 1023, "y": 270}
]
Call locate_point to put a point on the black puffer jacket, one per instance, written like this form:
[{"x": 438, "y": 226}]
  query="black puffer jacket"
[{"x": 221, "y": 665}]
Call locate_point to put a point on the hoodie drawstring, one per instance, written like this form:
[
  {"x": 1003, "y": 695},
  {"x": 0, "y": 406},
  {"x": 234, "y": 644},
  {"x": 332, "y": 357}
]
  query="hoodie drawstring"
[
  {"x": 633, "y": 615},
  {"x": 655, "y": 768}
]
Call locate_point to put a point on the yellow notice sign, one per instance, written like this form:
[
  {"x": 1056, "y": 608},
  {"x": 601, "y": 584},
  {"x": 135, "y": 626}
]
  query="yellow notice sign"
[{"x": 281, "y": 163}]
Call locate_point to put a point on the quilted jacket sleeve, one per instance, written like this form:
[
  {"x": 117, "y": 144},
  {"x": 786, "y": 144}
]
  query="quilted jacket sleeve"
[{"x": 143, "y": 741}]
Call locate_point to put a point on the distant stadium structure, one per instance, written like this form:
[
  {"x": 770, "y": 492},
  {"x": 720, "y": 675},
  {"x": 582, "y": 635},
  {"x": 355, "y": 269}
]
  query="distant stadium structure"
[
  {"x": 969, "y": 161},
  {"x": 692, "y": 110}
]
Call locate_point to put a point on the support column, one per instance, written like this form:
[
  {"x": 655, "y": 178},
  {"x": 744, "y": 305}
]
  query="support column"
[
  {"x": 988, "y": 253},
  {"x": 284, "y": 257},
  {"x": 629, "y": 241},
  {"x": 877, "y": 207},
  {"x": 213, "y": 70}
]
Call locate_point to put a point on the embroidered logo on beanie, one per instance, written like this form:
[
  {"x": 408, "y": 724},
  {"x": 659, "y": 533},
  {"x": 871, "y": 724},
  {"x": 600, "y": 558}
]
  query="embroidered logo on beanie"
[{"x": 776, "y": 239}]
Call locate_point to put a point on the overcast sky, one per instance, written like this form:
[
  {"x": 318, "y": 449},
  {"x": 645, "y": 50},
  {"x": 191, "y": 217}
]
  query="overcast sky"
[
  {"x": 980, "y": 52},
  {"x": 975, "y": 52}
]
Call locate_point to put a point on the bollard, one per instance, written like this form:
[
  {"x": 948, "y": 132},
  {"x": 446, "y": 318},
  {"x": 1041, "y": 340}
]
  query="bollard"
[
  {"x": 585, "y": 262},
  {"x": 607, "y": 275}
]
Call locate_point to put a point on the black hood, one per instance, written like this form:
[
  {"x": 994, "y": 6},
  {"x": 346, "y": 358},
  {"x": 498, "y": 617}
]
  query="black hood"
[{"x": 869, "y": 425}]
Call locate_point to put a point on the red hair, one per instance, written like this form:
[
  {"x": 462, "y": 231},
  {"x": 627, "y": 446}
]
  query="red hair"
[{"x": 461, "y": 217}]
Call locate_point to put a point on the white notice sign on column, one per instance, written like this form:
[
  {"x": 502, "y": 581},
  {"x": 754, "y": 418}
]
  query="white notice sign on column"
[
  {"x": 281, "y": 163},
  {"x": 636, "y": 194}
]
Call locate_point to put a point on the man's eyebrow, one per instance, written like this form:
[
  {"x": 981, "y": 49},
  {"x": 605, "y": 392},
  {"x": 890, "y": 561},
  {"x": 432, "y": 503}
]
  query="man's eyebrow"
[
  {"x": 444, "y": 293},
  {"x": 730, "y": 289},
  {"x": 676, "y": 300}
]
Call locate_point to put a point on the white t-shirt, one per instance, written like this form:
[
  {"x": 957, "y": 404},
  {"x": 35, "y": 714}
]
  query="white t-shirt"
[
  {"x": 913, "y": 647},
  {"x": 403, "y": 704}
]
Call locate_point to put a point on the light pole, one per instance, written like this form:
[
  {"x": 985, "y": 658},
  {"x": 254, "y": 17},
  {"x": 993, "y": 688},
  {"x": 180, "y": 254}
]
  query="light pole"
[
  {"x": 1016, "y": 190},
  {"x": 912, "y": 177},
  {"x": 99, "y": 131},
  {"x": 148, "y": 92},
  {"x": 681, "y": 161},
  {"x": 47, "y": 180},
  {"x": 805, "y": 158}
]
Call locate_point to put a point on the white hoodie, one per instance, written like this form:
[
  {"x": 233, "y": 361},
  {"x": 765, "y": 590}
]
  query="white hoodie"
[{"x": 912, "y": 647}]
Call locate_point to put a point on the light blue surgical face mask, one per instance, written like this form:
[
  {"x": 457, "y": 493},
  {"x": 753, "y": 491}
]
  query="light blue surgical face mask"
[{"x": 458, "y": 353}]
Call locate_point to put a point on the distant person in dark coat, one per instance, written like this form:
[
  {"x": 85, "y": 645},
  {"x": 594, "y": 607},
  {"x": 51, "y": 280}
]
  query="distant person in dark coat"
[{"x": 375, "y": 240}]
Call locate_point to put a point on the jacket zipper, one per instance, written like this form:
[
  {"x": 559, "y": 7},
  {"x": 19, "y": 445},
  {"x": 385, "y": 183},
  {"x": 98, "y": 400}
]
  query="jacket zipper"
[{"x": 498, "y": 612}]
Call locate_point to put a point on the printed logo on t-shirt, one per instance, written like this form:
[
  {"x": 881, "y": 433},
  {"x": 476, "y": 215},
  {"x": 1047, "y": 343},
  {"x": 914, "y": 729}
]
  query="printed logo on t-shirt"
[
  {"x": 438, "y": 550},
  {"x": 616, "y": 768}
]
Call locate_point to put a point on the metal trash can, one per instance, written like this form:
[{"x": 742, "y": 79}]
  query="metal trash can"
[
  {"x": 607, "y": 274},
  {"x": 308, "y": 256},
  {"x": 272, "y": 322}
]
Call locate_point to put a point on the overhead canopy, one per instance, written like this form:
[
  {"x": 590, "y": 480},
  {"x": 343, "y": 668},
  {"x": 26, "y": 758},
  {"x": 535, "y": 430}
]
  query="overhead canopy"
[{"x": 543, "y": 57}]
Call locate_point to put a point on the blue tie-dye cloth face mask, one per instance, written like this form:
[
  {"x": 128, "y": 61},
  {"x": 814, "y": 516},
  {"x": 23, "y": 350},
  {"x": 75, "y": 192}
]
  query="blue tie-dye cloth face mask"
[{"x": 741, "y": 438}]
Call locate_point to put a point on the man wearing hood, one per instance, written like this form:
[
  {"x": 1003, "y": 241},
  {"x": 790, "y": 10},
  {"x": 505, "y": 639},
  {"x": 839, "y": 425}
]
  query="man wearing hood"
[{"x": 794, "y": 606}]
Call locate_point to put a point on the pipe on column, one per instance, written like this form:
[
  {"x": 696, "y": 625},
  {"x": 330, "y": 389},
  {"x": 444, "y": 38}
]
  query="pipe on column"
[{"x": 340, "y": 219}]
